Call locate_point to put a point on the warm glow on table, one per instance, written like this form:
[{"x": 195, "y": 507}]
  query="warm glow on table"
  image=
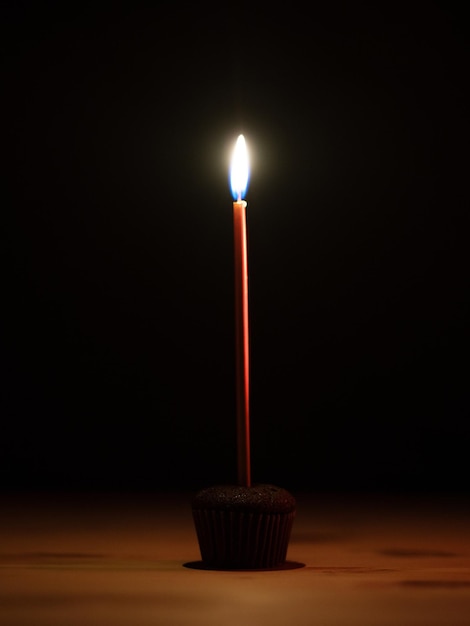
[{"x": 120, "y": 561}]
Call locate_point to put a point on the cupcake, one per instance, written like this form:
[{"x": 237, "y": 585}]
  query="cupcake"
[{"x": 243, "y": 527}]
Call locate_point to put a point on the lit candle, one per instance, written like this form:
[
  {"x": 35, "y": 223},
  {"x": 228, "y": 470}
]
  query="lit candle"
[{"x": 239, "y": 175}]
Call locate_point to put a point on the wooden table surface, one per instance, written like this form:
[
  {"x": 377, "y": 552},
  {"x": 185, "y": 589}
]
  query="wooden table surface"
[{"x": 122, "y": 560}]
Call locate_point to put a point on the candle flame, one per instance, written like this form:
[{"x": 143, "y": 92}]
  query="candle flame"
[{"x": 239, "y": 172}]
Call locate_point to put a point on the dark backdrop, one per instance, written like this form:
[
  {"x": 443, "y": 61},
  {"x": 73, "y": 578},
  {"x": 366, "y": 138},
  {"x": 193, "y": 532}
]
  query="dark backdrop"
[{"x": 117, "y": 314}]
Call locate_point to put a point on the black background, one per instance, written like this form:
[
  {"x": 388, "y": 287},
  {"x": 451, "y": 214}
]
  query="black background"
[{"x": 117, "y": 315}]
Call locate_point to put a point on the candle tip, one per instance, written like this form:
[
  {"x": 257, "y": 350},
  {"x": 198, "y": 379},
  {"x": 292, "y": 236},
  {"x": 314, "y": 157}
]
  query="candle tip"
[{"x": 240, "y": 169}]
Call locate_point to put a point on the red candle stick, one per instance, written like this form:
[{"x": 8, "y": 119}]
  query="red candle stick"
[{"x": 239, "y": 182}]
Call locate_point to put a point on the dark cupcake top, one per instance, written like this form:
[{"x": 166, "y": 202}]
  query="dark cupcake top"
[{"x": 257, "y": 499}]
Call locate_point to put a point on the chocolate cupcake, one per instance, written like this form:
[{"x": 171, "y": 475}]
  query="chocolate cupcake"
[{"x": 243, "y": 527}]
